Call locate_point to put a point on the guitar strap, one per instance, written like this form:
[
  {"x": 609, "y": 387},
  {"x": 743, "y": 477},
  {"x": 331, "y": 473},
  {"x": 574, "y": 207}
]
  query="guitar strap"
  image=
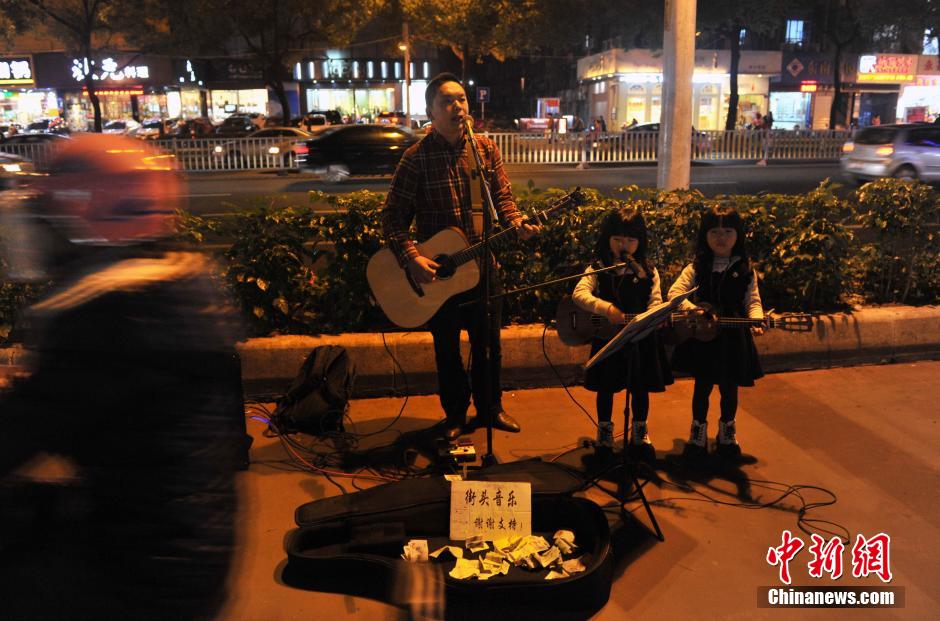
[{"x": 476, "y": 193}]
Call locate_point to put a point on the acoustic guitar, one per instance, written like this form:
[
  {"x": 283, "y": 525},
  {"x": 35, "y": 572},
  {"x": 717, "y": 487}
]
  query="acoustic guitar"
[{"x": 410, "y": 304}]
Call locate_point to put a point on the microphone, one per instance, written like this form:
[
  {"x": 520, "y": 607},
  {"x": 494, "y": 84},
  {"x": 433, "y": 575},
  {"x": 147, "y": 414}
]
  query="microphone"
[
  {"x": 467, "y": 122},
  {"x": 638, "y": 270}
]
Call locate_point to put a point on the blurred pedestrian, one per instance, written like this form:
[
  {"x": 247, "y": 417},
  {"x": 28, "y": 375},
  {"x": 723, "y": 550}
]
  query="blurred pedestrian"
[{"x": 136, "y": 383}]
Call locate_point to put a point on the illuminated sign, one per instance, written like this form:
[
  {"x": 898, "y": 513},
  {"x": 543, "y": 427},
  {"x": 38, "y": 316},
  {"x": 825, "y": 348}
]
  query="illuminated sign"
[
  {"x": 887, "y": 68},
  {"x": 133, "y": 90},
  {"x": 16, "y": 70},
  {"x": 808, "y": 87},
  {"x": 108, "y": 70}
]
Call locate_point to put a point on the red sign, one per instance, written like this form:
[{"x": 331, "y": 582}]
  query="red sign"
[
  {"x": 887, "y": 68},
  {"x": 808, "y": 87}
]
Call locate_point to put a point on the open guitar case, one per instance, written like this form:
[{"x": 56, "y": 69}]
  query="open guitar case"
[{"x": 352, "y": 544}]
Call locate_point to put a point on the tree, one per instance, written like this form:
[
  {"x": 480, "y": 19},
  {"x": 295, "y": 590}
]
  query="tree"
[
  {"x": 476, "y": 28},
  {"x": 85, "y": 27},
  {"x": 726, "y": 19}
]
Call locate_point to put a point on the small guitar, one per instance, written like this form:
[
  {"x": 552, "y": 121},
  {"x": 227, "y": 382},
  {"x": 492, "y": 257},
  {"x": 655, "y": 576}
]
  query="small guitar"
[
  {"x": 410, "y": 304},
  {"x": 577, "y": 326},
  {"x": 706, "y": 327}
]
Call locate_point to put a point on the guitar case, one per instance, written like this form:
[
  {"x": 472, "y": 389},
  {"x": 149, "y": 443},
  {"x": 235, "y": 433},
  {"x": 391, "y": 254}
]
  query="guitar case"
[{"x": 352, "y": 544}]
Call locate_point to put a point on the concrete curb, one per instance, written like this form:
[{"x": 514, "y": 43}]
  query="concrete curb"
[
  {"x": 873, "y": 335},
  {"x": 886, "y": 334}
]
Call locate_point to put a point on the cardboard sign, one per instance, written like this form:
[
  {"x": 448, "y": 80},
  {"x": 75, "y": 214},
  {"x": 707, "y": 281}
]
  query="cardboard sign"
[{"x": 493, "y": 510}]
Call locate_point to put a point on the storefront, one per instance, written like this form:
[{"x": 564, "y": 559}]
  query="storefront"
[
  {"x": 626, "y": 85},
  {"x": 920, "y": 99},
  {"x": 236, "y": 86},
  {"x": 129, "y": 86},
  {"x": 879, "y": 82},
  {"x": 801, "y": 95},
  {"x": 20, "y": 101},
  {"x": 361, "y": 89}
]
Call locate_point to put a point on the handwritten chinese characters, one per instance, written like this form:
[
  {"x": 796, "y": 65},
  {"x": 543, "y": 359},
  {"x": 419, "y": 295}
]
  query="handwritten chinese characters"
[{"x": 490, "y": 509}]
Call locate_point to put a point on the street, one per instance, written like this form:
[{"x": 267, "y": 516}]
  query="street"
[
  {"x": 211, "y": 193},
  {"x": 866, "y": 434}
]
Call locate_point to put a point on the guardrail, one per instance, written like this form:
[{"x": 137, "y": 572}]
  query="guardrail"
[
  {"x": 631, "y": 146},
  {"x": 276, "y": 154}
]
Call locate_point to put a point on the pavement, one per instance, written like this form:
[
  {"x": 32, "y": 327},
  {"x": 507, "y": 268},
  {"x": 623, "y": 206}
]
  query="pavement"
[{"x": 863, "y": 436}]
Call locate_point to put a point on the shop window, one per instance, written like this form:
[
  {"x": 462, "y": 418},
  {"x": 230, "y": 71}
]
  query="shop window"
[{"x": 931, "y": 43}]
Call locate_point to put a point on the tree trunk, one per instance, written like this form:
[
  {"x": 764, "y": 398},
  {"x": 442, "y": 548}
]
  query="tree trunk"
[
  {"x": 835, "y": 109},
  {"x": 463, "y": 64},
  {"x": 281, "y": 94},
  {"x": 732, "y": 119}
]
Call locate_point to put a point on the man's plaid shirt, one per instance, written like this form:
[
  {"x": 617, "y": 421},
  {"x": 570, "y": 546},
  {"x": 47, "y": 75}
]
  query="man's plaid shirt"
[{"x": 431, "y": 187}]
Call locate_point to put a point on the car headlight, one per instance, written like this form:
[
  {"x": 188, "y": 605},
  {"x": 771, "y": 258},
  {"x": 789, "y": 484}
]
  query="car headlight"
[
  {"x": 848, "y": 147},
  {"x": 274, "y": 150},
  {"x": 12, "y": 168},
  {"x": 218, "y": 149}
]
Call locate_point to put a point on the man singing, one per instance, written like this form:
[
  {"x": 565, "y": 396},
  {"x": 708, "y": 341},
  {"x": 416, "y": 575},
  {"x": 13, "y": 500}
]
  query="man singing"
[{"x": 432, "y": 186}]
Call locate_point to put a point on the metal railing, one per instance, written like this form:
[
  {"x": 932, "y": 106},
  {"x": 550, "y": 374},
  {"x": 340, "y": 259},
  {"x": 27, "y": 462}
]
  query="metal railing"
[
  {"x": 242, "y": 154},
  {"x": 632, "y": 146}
]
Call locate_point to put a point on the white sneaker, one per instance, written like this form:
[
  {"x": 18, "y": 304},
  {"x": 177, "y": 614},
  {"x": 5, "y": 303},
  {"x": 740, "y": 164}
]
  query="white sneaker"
[
  {"x": 699, "y": 434},
  {"x": 639, "y": 433},
  {"x": 605, "y": 434},
  {"x": 726, "y": 433}
]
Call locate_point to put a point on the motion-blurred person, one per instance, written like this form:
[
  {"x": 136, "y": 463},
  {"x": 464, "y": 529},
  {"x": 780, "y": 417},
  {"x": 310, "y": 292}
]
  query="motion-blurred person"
[{"x": 135, "y": 383}]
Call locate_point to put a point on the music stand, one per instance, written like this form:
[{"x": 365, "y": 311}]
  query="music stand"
[{"x": 632, "y": 333}]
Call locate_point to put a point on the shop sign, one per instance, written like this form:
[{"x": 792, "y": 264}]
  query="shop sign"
[
  {"x": 887, "y": 68},
  {"x": 800, "y": 67},
  {"x": 16, "y": 70},
  {"x": 108, "y": 70},
  {"x": 928, "y": 65},
  {"x": 808, "y": 86}
]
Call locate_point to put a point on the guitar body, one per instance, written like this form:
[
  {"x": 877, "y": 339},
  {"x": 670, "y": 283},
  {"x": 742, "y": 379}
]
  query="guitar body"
[
  {"x": 577, "y": 326},
  {"x": 409, "y": 304},
  {"x": 698, "y": 327}
]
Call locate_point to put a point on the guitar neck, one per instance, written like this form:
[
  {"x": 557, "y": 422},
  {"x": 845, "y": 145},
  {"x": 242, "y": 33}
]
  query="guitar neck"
[{"x": 474, "y": 251}]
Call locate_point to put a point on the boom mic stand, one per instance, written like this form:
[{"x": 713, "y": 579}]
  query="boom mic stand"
[{"x": 489, "y": 216}]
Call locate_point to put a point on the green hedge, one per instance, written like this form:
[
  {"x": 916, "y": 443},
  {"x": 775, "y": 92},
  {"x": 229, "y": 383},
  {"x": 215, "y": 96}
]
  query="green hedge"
[{"x": 803, "y": 247}]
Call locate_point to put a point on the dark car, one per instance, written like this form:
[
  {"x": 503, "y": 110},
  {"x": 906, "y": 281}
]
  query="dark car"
[
  {"x": 344, "y": 150},
  {"x": 236, "y": 125},
  {"x": 700, "y": 140}
]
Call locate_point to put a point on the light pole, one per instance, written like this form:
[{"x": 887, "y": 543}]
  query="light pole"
[{"x": 405, "y": 46}]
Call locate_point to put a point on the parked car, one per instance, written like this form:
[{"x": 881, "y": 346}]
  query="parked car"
[
  {"x": 190, "y": 129},
  {"x": 9, "y": 130},
  {"x": 906, "y": 151},
  {"x": 120, "y": 126},
  {"x": 344, "y": 150},
  {"x": 391, "y": 118},
  {"x": 153, "y": 129},
  {"x": 236, "y": 125},
  {"x": 24, "y": 140},
  {"x": 317, "y": 120},
  {"x": 42, "y": 126},
  {"x": 279, "y": 143},
  {"x": 700, "y": 140}
]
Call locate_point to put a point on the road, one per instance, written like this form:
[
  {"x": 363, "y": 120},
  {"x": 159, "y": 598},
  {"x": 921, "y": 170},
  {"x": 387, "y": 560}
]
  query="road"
[{"x": 213, "y": 193}]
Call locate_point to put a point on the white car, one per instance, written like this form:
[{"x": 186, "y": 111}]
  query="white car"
[
  {"x": 266, "y": 146},
  {"x": 120, "y": 126},
  {"x": 905, "y": 151}
]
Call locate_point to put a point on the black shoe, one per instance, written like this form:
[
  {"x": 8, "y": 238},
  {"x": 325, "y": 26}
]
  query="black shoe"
[
  {"x": 502, "y": 421},
  {"x": 450, "y": 430}
]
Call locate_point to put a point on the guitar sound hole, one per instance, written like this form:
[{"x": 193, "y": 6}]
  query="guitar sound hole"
[{"x": 446, "y": 268}]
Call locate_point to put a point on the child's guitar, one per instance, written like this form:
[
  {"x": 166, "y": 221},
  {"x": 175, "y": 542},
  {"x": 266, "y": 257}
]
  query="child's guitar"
[
  {"x": 705, "y": 327},
  {"x": 578, "y": 327}
]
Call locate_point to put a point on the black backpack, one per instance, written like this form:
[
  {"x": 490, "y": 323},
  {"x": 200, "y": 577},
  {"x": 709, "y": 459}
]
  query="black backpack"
[{"x": 318, "y": 397}]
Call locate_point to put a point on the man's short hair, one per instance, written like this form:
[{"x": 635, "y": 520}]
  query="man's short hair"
[{"x": 435, "y": 85}]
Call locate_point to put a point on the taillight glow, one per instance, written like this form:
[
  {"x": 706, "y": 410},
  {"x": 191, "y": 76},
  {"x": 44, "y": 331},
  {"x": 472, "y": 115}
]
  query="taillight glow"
[
  {"x": 848, "y": 147},
  {"x": 888, "y": 150}
]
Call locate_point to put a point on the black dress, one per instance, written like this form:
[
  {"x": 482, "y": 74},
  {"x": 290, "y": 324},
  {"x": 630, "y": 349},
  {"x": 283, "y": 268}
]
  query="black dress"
[
  {"x": 641, "y": 366},
  {"x": 731, "y": 357}
]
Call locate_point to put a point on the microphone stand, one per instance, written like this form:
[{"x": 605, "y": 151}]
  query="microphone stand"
[{"x": 489, "y": 216}]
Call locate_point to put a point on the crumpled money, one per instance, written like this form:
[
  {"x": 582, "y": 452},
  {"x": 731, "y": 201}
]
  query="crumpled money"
[
  {"x": 564, "y": 539},
  {"x": 531, "y": 552}
]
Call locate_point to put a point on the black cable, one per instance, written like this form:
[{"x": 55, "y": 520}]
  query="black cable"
[{"x": 560, "y": 380}]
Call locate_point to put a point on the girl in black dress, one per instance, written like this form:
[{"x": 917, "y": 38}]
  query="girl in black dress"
[
  {"x": 727, "y": 287},
  {"x": 642, "y": 367}
]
